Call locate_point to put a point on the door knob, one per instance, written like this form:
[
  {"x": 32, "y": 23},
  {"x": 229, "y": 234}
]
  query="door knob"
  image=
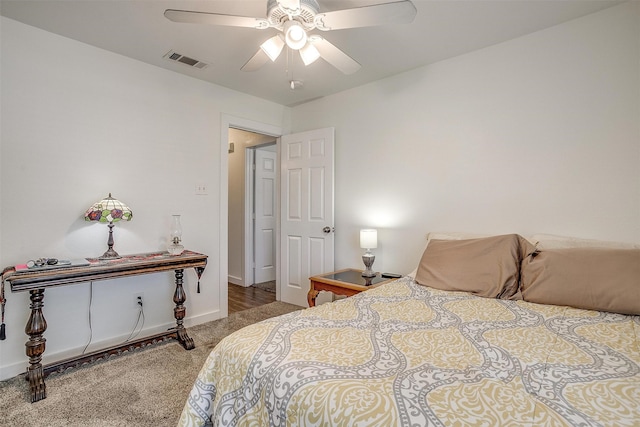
[{"x": 328, "y": 230}]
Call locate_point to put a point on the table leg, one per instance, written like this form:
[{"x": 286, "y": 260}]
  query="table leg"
[
  {"x": 311, "y": 296},
  {"x": 35, "y": 346},
  {"x": 179, "y": 297}
]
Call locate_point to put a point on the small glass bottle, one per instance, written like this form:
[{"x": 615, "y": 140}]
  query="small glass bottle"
[{"x": 175, "y": 248}]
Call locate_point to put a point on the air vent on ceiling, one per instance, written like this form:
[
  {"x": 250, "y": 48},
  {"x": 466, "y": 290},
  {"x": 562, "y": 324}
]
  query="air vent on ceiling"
[{"x": 178, "y": 57}]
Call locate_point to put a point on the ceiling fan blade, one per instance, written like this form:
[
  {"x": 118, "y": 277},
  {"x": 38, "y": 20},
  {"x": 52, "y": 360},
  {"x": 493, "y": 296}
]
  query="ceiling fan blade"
[
  {"x": 335, "y": 56},
  {"x": 192, "y": 17},
  {"x": 400, "y": 12},
  {"x": 258, "y": 60}
]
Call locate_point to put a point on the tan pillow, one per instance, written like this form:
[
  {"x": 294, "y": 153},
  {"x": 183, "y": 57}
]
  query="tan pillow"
[
  {"x": 452, "y": 235},
  {"x": 552, "y": 241},
  {"x": 590, "y": 278},
  {"x": 488, "y": 267}
]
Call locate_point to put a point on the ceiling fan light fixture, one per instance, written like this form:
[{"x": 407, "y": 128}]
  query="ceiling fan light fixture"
[
  {"x": 309, "y": 54},
  {"x": 294, "y": 19},
  {"x": 273, "y": 47},
  {"x": 294, "y": 34}
]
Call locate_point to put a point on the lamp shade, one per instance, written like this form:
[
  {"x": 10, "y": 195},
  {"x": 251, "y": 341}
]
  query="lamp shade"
[
  {"x": 368, "y": 239},
  {"x": 108, "y": 210},
  {"x": 273, "y": 47},
  {"x": 309, "y": 54}
]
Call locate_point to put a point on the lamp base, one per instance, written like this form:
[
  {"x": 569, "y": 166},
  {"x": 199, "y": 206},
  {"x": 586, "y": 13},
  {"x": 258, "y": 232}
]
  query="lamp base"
[
  {"x": 175, "y": 249},
  {"x": 368, "y": 260},
  {"x": 110, "y": 253}
]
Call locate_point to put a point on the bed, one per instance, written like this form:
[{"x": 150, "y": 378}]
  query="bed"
[{"x": 409, "y": 354}]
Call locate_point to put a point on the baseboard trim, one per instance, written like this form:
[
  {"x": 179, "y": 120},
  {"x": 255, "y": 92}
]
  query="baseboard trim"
[
  {"x": 15, "y": 369},
  {"x": 202, "y": 318},
  {"x": 236, "y": 280}
]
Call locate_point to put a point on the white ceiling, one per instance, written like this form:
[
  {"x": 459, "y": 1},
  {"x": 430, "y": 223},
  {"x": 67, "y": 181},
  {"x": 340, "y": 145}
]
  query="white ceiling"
[{"x": 442, "y": 29}]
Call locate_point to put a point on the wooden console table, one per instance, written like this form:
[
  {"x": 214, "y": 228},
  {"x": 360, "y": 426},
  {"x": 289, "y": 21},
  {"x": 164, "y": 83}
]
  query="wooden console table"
[{"x": 37, "y": 280}]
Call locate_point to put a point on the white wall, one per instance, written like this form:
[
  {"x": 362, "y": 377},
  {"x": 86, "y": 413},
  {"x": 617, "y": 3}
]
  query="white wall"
[
  {"x": 537, "y": 134},
  {"x": 77, "y": 123}
]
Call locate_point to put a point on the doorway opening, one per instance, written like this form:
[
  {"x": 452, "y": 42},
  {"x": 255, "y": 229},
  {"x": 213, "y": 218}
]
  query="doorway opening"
[{"x": 252, "y": 219}]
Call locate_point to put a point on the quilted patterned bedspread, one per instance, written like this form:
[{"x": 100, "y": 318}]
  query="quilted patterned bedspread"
[{"x": 408, "y": 355}]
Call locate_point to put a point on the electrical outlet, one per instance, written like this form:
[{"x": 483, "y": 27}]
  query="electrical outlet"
[{"x": 138, "y": 299}]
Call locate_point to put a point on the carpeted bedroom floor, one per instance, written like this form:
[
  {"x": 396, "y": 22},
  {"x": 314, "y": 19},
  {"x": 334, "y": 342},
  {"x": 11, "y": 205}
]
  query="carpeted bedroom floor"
[{"x": 145, "y": 388}]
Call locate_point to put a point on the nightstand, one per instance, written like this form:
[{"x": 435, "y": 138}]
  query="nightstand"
[{"x": 346, "y": 282}]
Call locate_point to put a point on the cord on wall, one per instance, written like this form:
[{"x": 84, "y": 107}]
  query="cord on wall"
[
  {"x": 90, "y": 327},
  {"x": 133, "y": 333}
]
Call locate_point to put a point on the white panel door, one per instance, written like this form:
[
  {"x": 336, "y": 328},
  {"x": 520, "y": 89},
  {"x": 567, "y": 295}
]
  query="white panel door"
[
  {"x": 265, "y": 216},
  {"x": 306, "y": 191}
]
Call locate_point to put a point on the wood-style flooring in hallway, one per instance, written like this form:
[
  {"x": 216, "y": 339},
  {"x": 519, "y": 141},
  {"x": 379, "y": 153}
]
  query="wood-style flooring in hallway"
[{"x": 241, "y": 298}]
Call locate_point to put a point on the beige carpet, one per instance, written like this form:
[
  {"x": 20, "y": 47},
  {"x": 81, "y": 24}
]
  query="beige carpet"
[{"x": 148, "y": 387}]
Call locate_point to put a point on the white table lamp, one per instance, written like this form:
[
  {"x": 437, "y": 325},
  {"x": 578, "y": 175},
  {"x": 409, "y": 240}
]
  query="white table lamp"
[{"x": 368, "y": 241}]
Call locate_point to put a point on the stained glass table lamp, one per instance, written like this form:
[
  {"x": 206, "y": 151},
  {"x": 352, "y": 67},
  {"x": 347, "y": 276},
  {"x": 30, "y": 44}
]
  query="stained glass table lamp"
[{"x": 108, "y": 211}]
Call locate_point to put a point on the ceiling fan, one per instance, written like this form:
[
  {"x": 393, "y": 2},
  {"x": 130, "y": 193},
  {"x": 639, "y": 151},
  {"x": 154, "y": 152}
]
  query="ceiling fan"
[{"x": 294, "y": 19}]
